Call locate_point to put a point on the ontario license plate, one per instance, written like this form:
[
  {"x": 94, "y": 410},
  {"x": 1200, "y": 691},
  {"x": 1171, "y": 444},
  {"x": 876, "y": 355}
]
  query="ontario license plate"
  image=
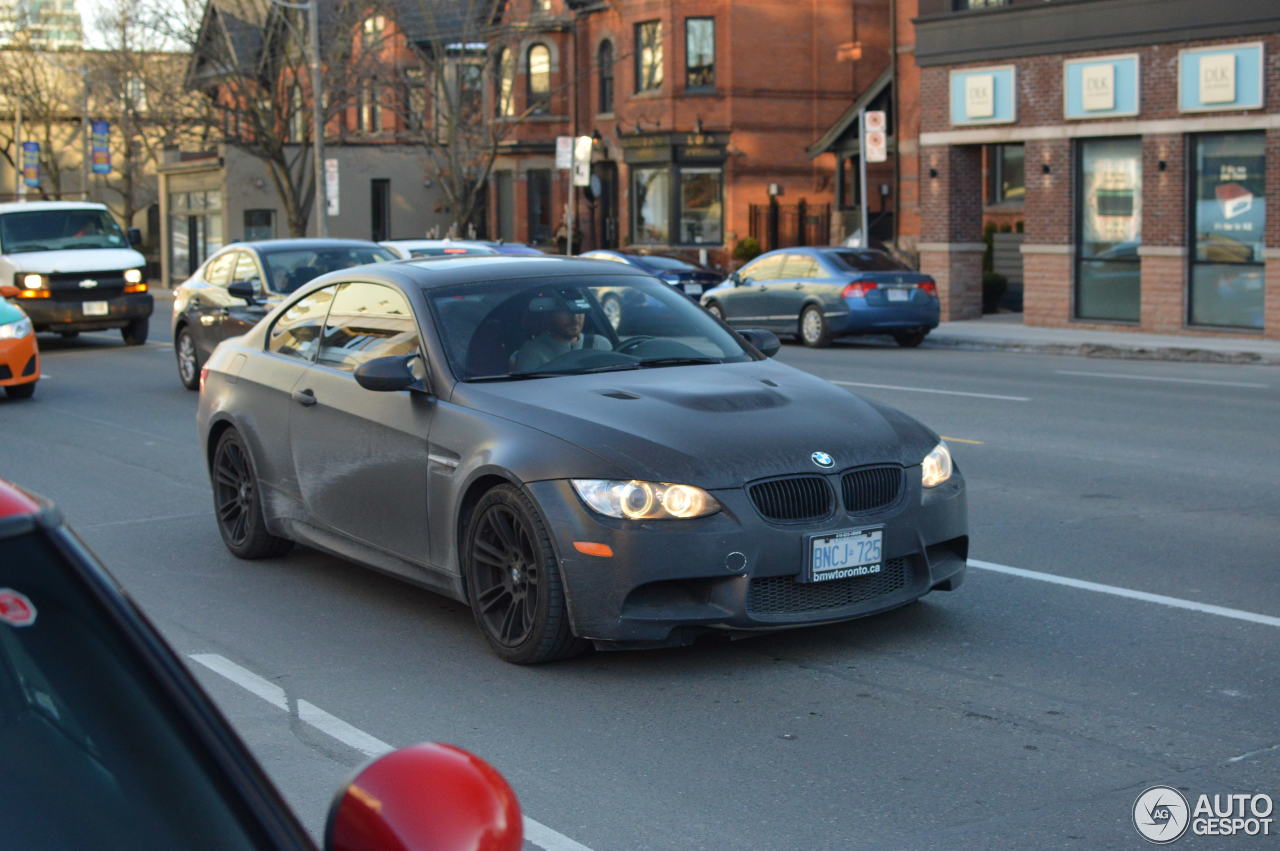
[
  {"x": 897, "y": 294},
  {"x": 95, "y": 308},
  {"x": 693, "y": 289},
  {"x": 844, "y": 555}
]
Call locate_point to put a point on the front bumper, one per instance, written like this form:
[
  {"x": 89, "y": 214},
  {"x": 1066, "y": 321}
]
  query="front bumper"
[
  {"x": 52, "y": 314},
  {"x": 19, "y": 361},
  {"x": 670, "y": 580}
]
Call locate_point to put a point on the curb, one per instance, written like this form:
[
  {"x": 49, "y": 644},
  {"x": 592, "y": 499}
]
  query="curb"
[{"x": 1107, "y": 350}]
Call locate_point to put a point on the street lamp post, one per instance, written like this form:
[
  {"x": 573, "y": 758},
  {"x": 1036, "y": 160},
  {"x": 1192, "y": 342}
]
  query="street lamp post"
[{"x": 317, "y": 117}]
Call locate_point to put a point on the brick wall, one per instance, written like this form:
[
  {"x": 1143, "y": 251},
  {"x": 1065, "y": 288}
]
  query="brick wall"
[
  {"x": 1164, "y": 193},
  {"x": 1046, "y": 294},
  {"x": 1164, "y": 304},
  {"x": 1047, "y": 208}
]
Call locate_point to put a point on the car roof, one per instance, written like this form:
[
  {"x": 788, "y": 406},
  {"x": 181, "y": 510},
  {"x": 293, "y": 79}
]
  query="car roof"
[
  {"x": 266, "y": 246},
  {"x": 433, "y": 272},
  {"x": 34, "y": 206}
]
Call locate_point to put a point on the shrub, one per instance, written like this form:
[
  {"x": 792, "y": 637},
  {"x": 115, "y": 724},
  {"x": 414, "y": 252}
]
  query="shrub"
[
  {"x": 746, "y": 249},
  {"x": 994, "y": 286}
]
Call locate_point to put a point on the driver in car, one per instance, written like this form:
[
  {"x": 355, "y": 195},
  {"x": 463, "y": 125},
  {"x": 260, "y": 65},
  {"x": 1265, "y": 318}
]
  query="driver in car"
[{"x": 561, "y": 320}]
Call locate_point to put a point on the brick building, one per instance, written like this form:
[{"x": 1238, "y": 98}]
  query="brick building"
[
  {"x": 1138, "y": 141},
  {"x": 699, "y": 110}
]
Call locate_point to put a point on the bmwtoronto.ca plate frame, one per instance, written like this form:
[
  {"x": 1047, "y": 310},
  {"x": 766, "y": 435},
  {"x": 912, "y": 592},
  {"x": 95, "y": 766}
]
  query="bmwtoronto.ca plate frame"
[{"x": 868, "y": 541}]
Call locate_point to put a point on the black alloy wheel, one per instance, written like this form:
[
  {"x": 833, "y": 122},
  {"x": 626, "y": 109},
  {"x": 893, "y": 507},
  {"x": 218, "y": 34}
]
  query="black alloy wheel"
[
  {"x": 513, "y": 582},
  {"x": 238, "y": 503},
  {"x": 184, "y": 349}
]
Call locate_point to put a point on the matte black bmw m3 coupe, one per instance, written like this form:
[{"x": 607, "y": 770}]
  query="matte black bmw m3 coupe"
[{"x": 478, "y": 426}]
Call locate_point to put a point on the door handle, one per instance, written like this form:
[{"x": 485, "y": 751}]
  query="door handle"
[
  {"x": 305, "y": 398},
  {"x": 798, "y": 287}
]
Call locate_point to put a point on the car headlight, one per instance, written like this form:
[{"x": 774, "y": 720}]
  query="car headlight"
[
  {"x": 32, "y": 282},
  {"x": 936, "y": 467},
  {"x": 132, "y": 276},
  {"x": 16, "y": 330},
  {"x": 645, "y": 500}
]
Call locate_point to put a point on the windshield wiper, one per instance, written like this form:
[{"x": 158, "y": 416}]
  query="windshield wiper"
[
  {"x": 520, "y": 376},
  {"x": 679, "y": 361}
]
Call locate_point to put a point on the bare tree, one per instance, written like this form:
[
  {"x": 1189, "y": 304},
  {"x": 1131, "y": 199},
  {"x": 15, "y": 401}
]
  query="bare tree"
[{"x": 47, "y": 90}]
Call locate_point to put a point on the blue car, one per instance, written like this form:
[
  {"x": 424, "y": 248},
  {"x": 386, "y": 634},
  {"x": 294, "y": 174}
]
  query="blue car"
[{"x": 819, "y": 294}]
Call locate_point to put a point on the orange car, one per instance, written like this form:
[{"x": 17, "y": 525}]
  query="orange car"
[{"x": 19, "y": 358}]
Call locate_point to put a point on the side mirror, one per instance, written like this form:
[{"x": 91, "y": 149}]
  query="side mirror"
[
  {"x": 135, "y": 237},
  {"x": 7, "y": 291},
  {"x": 763, "y": 339},
  {"x": 389, "y": 374},
  {"x": 734, "y": 279},
  {"x": 425, "y": 796},
  {"x": 245, "y": 290}
]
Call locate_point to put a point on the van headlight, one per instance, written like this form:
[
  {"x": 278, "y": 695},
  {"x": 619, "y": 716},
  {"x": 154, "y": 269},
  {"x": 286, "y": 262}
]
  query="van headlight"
[
  {"x": 16, "y": 330},
  {"x": 132, "y": 276},
  {"x": 32, "y": 282},
  {"x": 636, "y": 500},
  {"x": 936, "y": 467}
]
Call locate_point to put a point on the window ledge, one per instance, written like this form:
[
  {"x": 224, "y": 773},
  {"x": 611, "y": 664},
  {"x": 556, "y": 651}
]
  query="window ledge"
[
  {"x": 701, "y": 93},
  {"x": 648, "y": 95}
]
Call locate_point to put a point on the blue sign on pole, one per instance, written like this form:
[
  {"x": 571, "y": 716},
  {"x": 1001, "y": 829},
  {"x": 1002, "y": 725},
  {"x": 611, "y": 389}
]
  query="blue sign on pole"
[
  {"x": 31, "y": 164},
  {"x": 100, "y": 140}
]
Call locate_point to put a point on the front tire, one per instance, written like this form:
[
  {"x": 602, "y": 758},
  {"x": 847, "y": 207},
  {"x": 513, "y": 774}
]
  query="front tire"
[
  {"x": 20, "y": 391},
  {"x": 184, "y": 349},
  {"x": 135, "y": 333},
  {"x": 814, "y": 331},
  {"x": 513, "y": 581},
  {"x": 715, "y": 310},
  {"x": 237, "y": 502}
]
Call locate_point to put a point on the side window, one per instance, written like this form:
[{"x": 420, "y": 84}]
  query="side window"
[
  {"x": 800, "y": 266},
  {"x": 367, "y": 321},
  {"x": 219, "y": 269},
  {"x": 247, "y": 270},
  {"x": 764, "y": 269},
  {"x": 296, "y": 332}
]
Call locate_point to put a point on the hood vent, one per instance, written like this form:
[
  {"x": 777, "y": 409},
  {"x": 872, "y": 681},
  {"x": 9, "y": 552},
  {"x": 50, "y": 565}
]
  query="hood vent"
[{"x": 618, "y": 394}]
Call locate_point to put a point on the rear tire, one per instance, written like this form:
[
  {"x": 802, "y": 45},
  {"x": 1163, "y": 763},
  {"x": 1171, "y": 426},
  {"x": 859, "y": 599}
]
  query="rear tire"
[
  {"x": 237, "y": 502},
  {"x": 20, "y": 391},
  {"x": 910, "y": 339},
  {"x": 184, "y": 349},
  {"x": 69, "y": 335},
  {"x": 135, "y": 333},
  {"x": 513, "y": 582},
  {"x": 814, "y": 331}
]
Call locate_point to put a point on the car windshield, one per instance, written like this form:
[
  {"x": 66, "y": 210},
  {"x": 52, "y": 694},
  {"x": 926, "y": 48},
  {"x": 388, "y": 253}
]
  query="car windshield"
[
  {"x": 510, "y": 330},
  {"x": 866, "y": 261},
  {"x": 667, "y": 264},
  {"x": 290, "y": 268},
  {"x": 59, "y": 230},
  {"x": 95, "y": 754},
  {"x": 448, "y": 250}
]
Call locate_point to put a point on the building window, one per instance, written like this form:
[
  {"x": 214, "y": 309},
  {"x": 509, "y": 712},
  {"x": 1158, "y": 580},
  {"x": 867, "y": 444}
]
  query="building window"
[
  {"x": 648, "y": 56},
  {"x": 1229, "y": 221},
  {"x": 850, "y": 190},
  {"x": 959, "y": 5},
  {"x": 368, "y": 108},
  {"x": 604, "y": 65},
  {"x": 539, "y": 80},
  {"x": 415, "y": 99},
  {"x": 1006, "y": 177},
  {"x": 700, "y": 53},
  {"x": 701, "y": 215},
  {"x": 539, "y": 204},
  {"x": 371, "y": 32},
  {"x": 1109, "y": 206},
  {"x": 651, "y": 191},
  {"x": 259, "y": 224},
  {"x": 504, "y": 100}
]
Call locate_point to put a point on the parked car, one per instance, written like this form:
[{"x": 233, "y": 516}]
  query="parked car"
[
  {"x": 240, "y": 284},
  {"x": 516, "y": 248},
  {"x": 110, "y": 743},
  {"x": 75, "y": 269},
  {"x": 819, "y": 294},
  {"x": 476, "y": 426},
  {"x": 406, "y": 248},
  {"x": 19, "y": 355},
  {"x": 686, "y": 277}
]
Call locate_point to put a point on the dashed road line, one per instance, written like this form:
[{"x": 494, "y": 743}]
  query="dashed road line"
[
  {"x": 964, "y": 440},
  {"x": 1164, "y": 378},
  {"x": 1129, "y": 593},
  {"x": 535, "y": 832},
  {"x": 931, "y": 390}
]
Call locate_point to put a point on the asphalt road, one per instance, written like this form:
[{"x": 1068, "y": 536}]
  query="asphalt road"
[{"x": 1014, "y": 712}]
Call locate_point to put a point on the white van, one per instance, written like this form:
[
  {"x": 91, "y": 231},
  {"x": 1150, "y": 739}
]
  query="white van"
[{"x": 75, "y": 269}]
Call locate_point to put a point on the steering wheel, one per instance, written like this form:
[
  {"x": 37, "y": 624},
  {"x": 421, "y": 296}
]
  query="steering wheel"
[{"x": 634, "y": 343}]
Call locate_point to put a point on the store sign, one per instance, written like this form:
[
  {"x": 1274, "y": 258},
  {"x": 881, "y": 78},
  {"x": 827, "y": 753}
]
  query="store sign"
[
  {"x": 31, "y": 164},
  {"x": 100, "y": 145},
  {"x": 984, "y": 96},
  {"x": 1224, "y": 77},
  {"x": 1100, "y": 87}
]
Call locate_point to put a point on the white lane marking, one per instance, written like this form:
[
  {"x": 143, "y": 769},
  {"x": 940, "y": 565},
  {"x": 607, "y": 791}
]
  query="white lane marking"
[
  {"x": 132, "y": 520},
  {"x": 1161, "y": 599},
  {"x": 930, "y": 390},
  {"x": 1162, "y": 378},
  {"x": 534, "y": 831}
]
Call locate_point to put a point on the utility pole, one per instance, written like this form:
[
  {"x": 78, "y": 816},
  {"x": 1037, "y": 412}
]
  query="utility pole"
[
  {"x": 20, "y": 184},
  {"x": 321, "y": 205}
]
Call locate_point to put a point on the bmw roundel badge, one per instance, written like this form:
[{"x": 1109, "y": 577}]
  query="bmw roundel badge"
[{"x": 823, "y": 460}]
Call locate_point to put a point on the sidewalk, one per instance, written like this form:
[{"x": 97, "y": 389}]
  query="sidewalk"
[{"x": 1006, "y": 331}]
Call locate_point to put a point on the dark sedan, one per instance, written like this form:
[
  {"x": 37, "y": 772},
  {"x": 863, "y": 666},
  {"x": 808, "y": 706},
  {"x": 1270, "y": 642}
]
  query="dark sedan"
[
  {"x": 477, "y": 426},
  {"x": 689, "y": 278},
  {"x": 819, "y": 294},
  {"x": 240, "y": 284}
]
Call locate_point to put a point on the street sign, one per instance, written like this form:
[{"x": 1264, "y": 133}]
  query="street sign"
[
  {"x": 100, "y": 138},
  {"x": 31, "y": 164},
  {"x": 331, "y": 187},
  {"x": 564, "y": 152},
  {"x": 876, "y": 121},
  {"x": 582, "y": 161},
  {"x": 877, "y": 146}
]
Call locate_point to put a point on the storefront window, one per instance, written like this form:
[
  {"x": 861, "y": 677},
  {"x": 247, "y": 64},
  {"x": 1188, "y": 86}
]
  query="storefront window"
[
  {"x": 1230, "y": 218},
  {"x": 700, "y": 208},
  {"x": 1109, "y": 205},
  {"x": 538, "y": 196},
  {"x": 195, "y": 229},
  {"x": 1007, "y": 174},
  {"x": 651, "y": 189}
]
